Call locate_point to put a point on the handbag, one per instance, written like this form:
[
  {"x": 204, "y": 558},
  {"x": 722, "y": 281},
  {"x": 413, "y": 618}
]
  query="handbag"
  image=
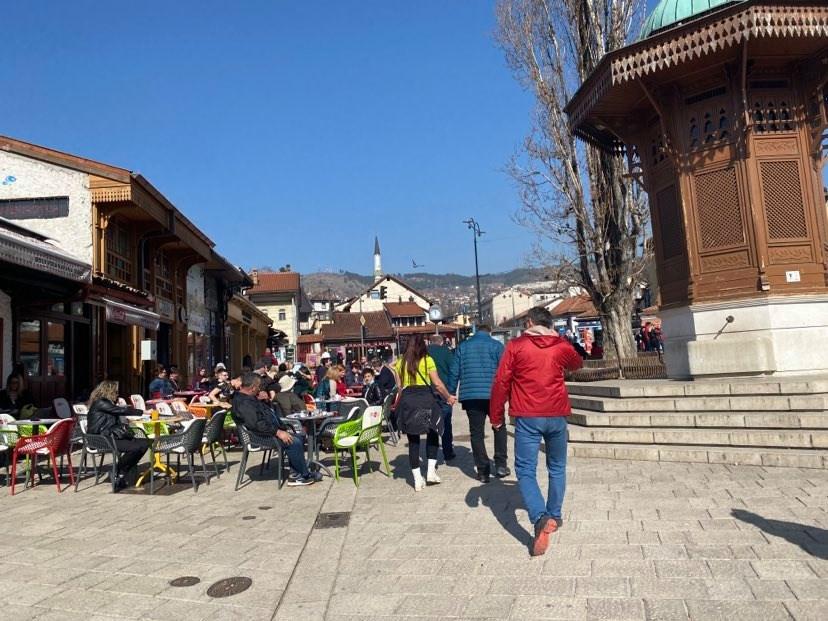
[{"x": 419, "y": 410}]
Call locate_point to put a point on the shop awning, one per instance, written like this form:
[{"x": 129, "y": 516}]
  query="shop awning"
[
  {"x": 25, "y": 248},
  {"x": 128, "y": 315}
]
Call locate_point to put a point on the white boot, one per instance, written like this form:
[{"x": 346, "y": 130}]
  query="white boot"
[
  {"x": 419, "y": 481},
  {"x": 432, "y": 477}
]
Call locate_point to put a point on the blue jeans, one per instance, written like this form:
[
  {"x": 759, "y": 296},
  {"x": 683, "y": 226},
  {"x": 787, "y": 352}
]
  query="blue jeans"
[
  {"x": 296, "y": 455},
  {"x": 448, "y": 436},
  {"x": 528, "y": 434}
]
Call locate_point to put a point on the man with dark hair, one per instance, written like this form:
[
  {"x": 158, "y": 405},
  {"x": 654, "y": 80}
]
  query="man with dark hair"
[
  {"x": 267, "y": 386},
  {"x": 473, "y": 369},
  {"x": 443, "y": 359},
  {"x": 531, "y": 378},
  {"x": 160, "y": 387},
  {"x": 259, "y": 417},
  {"x": 383, "y": 376}
]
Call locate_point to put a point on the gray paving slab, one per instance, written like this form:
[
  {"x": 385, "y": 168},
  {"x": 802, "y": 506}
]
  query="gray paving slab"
[{"x": 641, "y": 540}]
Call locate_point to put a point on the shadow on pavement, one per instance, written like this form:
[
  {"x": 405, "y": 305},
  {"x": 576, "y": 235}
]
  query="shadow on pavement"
[
  {"x": 502, "y": 498},
  {"x": 812, "y": 539}
]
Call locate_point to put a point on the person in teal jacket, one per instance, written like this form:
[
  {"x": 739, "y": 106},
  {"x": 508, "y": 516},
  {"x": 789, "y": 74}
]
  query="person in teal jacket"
[
  {"x": 443, "y": 359},
  {"x": 474, "y": 367}
]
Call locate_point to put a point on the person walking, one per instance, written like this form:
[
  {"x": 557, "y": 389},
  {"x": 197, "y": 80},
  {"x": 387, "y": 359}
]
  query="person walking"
[
  {"x": 419, "y": 411},
  {"x": 443, "y": 359},
  {"x": 531, "y": 378},
  {"x": 474, "y": 367}
]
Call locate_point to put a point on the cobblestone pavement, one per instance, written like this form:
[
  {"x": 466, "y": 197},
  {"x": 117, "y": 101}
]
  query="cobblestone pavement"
[{"x": 641, "y": 540}]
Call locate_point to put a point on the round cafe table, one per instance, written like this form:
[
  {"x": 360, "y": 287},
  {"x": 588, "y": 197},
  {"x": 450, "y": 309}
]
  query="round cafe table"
[
  {"x": 34, "y": 423},
  {"x": 156, "y": 463},
  {"x": 313, "y": 419}
]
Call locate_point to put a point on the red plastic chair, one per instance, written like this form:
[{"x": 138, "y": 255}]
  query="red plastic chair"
[
  {"x": 310, "y": 402},
  {"x": 54, "y": 442}
]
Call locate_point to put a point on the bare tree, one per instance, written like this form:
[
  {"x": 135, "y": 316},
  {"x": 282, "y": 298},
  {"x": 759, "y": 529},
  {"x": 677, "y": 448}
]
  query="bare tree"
[{"x": 574, "y": 195}]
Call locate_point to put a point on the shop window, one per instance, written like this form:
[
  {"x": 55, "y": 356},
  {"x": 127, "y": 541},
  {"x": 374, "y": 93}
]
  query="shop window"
[
  {"x": 163, "y": 277},
  {"x": 118, "y": 252},
  {"x": 55, "y": 349},
  {"x": 29, "y": 335}
]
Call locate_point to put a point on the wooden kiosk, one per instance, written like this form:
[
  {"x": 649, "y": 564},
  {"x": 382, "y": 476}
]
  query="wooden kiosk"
[{"x": 721, "y": 109}]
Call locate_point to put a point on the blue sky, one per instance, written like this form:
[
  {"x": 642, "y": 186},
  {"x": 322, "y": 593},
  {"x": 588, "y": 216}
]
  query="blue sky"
[{"x": 290, "y": 132}]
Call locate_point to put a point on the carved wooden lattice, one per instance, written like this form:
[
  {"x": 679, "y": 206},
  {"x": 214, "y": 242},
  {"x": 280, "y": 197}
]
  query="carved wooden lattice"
[
  {"x": 669, "y": 222},
  {"x": 782, "y": 191},
  {"x": 717, "y": 206}
]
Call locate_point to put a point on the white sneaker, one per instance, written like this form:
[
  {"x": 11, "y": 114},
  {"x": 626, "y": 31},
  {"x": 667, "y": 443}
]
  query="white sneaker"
[
  {"x": 419, "y": 481},
  {"x": 431, "y": 477}
]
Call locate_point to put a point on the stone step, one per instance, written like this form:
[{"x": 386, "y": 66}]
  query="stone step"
[
  {"x": 790, "y": 458},
  {"x": 731, "y": 403},
  {"x": 809, "y": 385},
  {"x": 800, "y": 439},
  {"x": 749, "y": 420}
]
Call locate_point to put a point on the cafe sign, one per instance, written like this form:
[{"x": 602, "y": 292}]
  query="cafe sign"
[{"x": 165, "y": 309}]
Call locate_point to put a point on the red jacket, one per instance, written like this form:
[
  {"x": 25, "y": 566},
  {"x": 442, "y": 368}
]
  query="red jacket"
[{"x": 531, "y": 376}]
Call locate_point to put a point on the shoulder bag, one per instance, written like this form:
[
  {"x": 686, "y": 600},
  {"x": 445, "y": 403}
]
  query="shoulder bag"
[{"x": 418, "y": 410}]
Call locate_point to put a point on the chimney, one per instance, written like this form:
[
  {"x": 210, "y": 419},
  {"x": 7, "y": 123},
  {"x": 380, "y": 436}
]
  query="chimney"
[{"x": 254, "y": 274}]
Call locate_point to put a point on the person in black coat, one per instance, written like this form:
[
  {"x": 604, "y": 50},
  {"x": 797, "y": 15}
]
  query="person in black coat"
[
  {"x": 104, "y": 418},
  {"x": 15, "y": 396},
  {"x": 371, "y": 390},
  {"x": 384, "y": 376}
]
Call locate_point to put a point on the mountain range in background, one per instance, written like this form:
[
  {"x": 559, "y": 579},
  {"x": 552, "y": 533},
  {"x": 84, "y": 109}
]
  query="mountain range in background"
[{"x": 452, "y": 291}]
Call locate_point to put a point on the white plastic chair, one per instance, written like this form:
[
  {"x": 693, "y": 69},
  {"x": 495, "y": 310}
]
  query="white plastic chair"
[
  {"x": 372, "y": 416},
  {"x": 138, "y": 402},
  {"x": 81, "y": 410},
  {"x": 164, "y": 409},
  {"x": 122, "y": 402},
  {"x": 179, "y": 407}
]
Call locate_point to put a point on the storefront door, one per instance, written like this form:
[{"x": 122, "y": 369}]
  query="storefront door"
[{"x": 42, "y": 350}]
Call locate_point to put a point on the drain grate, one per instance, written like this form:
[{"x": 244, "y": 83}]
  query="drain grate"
[
  {"x": 265, "y": 508},
  {"x": 335, "y": 519},
  {"x": 185, "y": 581},
  {"x": 229, "y": 586},
  {"x": 248, "y": 517}
]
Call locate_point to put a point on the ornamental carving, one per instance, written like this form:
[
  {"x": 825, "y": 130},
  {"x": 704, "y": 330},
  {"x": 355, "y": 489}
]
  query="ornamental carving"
[
  {"x": 721, "y": 262},
  {"x": 776, "y": 147},
  {"x": 790, "y": 254}
]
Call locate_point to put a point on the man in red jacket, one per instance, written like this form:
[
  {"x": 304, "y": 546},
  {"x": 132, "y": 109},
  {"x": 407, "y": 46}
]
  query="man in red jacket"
[{"x": 531, "y": 378}]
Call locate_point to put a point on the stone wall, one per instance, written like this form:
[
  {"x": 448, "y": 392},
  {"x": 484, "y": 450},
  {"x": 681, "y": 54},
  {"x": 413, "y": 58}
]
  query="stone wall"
[{"x": 35, "y": 179}]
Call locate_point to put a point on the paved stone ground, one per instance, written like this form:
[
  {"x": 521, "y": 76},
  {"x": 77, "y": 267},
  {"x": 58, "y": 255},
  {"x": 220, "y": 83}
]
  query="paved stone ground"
[{"x": 641, "y": 540}]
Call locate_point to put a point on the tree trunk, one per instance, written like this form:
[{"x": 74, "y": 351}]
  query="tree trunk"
[{"x": 616, "y": 315}]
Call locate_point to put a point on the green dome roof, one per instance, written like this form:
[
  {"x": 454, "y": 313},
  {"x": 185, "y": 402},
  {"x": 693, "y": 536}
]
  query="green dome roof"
[{"x": 672, "y": 12}]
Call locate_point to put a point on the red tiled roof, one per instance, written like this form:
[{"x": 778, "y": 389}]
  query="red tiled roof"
[
  {"x": 346, "y": 327},
  {"x": 276, "y": 282},
  {"x": 404, "y": 309},
  {"x": 429, "y": 328},
  {"x": 579, "y": 305},
  {"x": 309, "y": 338}
]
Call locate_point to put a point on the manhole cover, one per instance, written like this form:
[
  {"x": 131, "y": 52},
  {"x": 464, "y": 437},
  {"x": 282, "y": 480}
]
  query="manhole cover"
[
  {"x": 336, "y": 519},
  {"x": 185, "y": 581},
  {"x": 249, "y": 517},
  {"x": 265, "y": 508},
  {"x": 462, "y": 437},
  {"x": 229, "y": 586}
]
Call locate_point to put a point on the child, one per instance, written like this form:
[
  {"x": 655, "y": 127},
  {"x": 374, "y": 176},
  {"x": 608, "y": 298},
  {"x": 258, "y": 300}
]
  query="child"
[{"x": 371, "y": 391}]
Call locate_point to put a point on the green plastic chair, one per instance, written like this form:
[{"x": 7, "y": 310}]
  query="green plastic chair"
[
  {"x": 149, "y": 429},
  {"x": 351, "y": 436}
]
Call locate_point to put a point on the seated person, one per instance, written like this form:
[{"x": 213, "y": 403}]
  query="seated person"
[
  {"x": 287, "y": 400},
  {"x": 15, "y": 397},
  {"x": 160, "y": 387},
  {"x": 371, "y": 390},
  {"x": 222, "y": 392},
  {"x": 304, "y": 380},
  {"x": 259, "y": 417},
  {"x": 104, "y": 419},
  {"x": 202, "y": 380}
]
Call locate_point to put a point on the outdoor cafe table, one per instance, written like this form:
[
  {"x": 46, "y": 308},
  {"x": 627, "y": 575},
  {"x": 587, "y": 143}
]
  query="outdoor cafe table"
[
  {"x": 34, "y": 423},
  {"x": 188, "y": 394},
  {"x": 156, "y": 457},
  {"x": 313, "y": 419}
]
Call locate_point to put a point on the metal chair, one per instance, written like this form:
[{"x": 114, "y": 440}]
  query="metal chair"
[
  {"x": 212, "y": 438},
  {"x": 97, "y": 445},
  {"x": 388, "y": 402},
  {"x": 257, "y": 443},
  {"x": 8, "y": 438},
  {"x": 62, "y": 408},
  {"x": 186, "y": 443}
]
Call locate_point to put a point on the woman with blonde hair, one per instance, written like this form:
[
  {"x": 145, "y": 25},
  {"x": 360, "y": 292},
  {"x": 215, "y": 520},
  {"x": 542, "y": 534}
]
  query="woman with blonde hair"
[{"x": 104, "y": 419}]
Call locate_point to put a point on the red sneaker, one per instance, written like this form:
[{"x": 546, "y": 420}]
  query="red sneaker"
[{"x": 544, "y": 527}]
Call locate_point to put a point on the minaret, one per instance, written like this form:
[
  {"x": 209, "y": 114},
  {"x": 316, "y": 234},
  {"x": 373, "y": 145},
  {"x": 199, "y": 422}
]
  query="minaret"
[{"x": 377, "y": 260}]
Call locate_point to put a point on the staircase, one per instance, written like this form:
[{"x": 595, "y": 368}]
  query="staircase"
[{"x": 762, "y": 422}]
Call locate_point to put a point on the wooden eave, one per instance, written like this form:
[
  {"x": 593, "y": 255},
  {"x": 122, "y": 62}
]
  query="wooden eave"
[
  {"x": 803, "y": 23},
  {"x": 67, "y": 160}
]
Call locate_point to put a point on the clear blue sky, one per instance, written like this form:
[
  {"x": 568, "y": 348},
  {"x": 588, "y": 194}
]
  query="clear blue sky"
[{"x": 290, "y": 132}]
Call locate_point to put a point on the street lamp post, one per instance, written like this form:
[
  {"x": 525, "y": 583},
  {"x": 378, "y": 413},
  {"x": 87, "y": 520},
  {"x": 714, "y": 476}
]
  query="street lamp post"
[{"x": 475, "y": 227}]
